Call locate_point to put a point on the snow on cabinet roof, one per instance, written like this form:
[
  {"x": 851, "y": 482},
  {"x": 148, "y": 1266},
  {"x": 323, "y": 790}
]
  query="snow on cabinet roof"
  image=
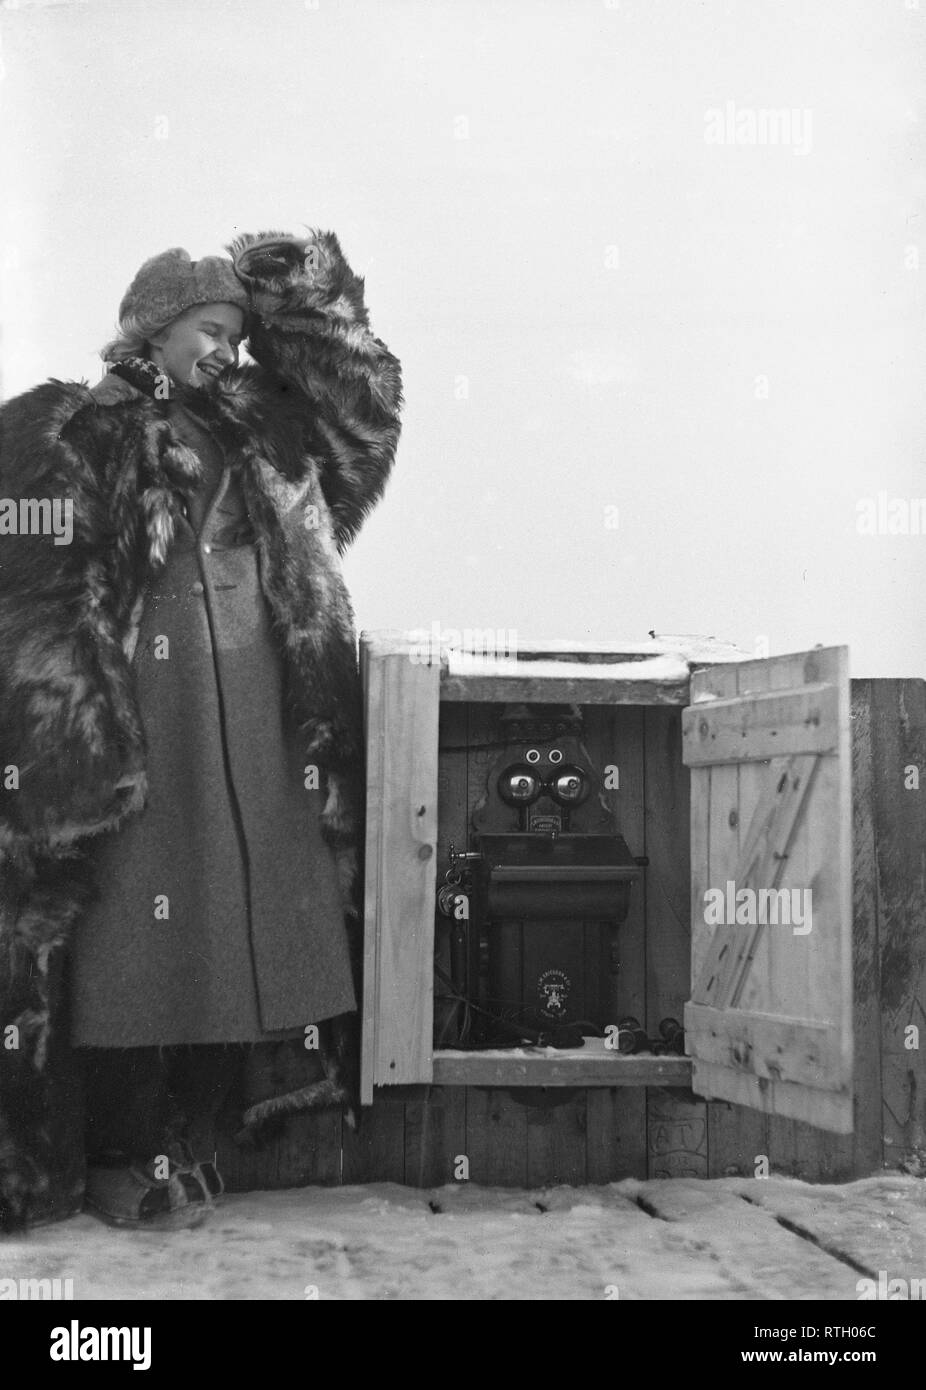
[
  {"x": 662, "y": 657},
  {"x": 691, "y": 647},
  {"x": 668, "y": 669}
]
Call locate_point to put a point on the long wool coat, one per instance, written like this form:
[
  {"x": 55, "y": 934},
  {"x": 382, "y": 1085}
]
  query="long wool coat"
[
  {"x": 309, "y": 434},
  {"x": 219, "y": 916}
]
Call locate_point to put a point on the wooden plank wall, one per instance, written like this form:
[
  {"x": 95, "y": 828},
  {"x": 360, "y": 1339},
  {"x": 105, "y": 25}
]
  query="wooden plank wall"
[
  {"x": 898, "y": 749},
  {"x": 676, "y": 1121},
  {"x": 417, "y": 1135}
]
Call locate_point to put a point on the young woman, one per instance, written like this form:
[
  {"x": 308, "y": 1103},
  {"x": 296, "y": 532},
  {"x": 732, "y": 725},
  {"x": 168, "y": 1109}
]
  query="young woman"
[{"x": 180, "y": 740}]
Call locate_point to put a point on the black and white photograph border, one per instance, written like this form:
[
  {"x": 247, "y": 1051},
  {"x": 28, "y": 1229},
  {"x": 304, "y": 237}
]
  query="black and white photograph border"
[{"x": 441, "y": 862}]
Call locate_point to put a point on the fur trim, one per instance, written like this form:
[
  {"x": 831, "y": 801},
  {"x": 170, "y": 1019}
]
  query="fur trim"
[
  {"x": 289, "y": 277},
  {"x": 302, "y": 1081},
  {"x": 68, "y": 716},
  {"x": 41, "y": 899},
  {"x": 311, "y": 327},
  {"x": 319, "y": 1095}
]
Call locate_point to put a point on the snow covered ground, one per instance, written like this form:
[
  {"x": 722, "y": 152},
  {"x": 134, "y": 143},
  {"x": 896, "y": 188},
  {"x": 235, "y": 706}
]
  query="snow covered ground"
[{"x": 733, "y": 1238}]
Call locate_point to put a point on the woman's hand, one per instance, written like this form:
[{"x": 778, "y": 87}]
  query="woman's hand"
[
  {"x": 273, "y": 259},
  {"x": 286, "y": 276}
]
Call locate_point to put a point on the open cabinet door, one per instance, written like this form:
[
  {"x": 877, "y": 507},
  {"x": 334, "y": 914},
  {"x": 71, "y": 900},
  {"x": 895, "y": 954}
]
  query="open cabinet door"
[
  {"x": 769, "y": 1024},
  {"x": 401, "y": 709}
]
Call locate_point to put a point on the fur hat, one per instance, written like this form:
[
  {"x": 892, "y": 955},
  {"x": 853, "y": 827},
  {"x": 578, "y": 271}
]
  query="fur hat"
[{"x": 169, "y": 283}]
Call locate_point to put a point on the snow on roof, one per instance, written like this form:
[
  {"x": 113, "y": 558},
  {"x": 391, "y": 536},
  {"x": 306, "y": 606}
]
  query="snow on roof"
[
  {"x": 510, "y": 646},
  {"x": 669, "y": 670}
]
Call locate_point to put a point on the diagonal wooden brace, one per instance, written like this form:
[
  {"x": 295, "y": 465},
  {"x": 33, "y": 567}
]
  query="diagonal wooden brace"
[{"x": 761, "y": 864}]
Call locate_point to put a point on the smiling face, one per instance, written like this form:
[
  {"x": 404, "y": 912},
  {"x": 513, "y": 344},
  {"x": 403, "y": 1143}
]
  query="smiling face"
[{"x": 199, "y": 344}]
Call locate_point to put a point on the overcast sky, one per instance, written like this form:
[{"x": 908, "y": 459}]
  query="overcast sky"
[{"x": 659, "y": 347}]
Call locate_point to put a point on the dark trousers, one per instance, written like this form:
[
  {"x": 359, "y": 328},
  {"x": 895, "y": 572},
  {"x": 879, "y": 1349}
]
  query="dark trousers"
[{"x": 139, "y": 1098}]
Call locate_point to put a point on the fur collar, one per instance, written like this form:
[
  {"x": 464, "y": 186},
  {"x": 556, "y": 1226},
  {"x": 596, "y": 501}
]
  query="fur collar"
[
  {"x": 257, "y": 435},
  {"x": 146, "y": 376}
]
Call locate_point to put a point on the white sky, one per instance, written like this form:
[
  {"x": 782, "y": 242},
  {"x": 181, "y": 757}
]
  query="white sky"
[{"x": 480, "y": 161}]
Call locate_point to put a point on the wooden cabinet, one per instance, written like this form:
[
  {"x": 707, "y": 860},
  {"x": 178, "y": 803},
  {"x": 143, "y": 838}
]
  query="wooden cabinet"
[
  {"x": 736, "y": 783},
  {"x": 793, "y": 1049}
]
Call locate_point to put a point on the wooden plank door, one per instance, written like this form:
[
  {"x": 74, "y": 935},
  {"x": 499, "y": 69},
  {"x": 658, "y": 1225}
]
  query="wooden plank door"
[
  {"x": 769, "y": 1024},
  {"x": 401, "y": 707}
]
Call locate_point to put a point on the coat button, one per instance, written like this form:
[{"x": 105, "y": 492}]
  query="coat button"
[{"x": 198, "y": 588}]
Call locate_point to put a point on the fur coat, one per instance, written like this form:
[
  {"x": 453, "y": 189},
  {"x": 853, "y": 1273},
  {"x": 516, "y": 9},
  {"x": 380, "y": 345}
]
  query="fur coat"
[{"x": 312, "y": 428}]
